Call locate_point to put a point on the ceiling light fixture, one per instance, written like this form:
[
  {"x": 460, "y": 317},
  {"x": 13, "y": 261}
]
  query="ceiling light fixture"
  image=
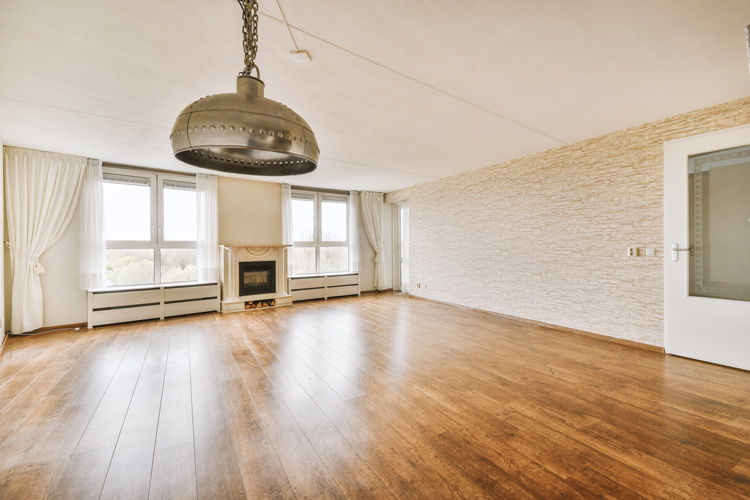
[{"x": 244, "y": 132}]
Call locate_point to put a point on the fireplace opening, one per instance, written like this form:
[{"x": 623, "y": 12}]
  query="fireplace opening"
[{"x": 257, "y": 277}]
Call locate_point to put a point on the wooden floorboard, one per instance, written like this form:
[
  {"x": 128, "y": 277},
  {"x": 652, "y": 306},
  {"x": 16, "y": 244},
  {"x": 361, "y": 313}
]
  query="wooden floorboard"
[{"x": 378, "y": 396}]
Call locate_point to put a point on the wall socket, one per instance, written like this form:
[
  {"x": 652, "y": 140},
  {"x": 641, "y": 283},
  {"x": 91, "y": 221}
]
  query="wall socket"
[{"x": 641, "y": 252}]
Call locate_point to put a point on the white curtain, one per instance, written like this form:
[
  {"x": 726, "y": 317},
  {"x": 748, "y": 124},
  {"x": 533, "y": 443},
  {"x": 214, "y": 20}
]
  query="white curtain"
[
  {"x": 42, "y": 192},
  {"x": 372, "y": 220},
  {"x": 92, "y": 261},
  {"x": 207, "y": 243},
  {"x": 354, "y": 231},
  {"x": 287, "y": 232}
]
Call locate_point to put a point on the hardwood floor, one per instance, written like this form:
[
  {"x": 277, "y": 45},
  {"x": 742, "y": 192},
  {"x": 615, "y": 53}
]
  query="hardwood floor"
[{"x": 380, "y": 396}]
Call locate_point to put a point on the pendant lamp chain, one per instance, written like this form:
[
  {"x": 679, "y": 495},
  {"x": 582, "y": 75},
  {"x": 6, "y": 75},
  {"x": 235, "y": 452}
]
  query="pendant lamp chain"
[
  {"x": 250, "y": 35},
  {"x": 244, "y": 132}
]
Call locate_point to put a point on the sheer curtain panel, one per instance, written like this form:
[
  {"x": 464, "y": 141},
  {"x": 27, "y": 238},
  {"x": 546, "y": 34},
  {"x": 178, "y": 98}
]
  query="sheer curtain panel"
[
  {"x": 372, "y": 220},
  {"x": 92, "y": 262},
  {"x": 353, "y": 231},
  {"x": 42, "y": 191},
  {"x": 207, "y": 242},
  {"x": 287, "y": 233}
]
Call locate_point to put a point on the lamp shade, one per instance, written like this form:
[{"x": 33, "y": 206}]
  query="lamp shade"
[{"x": 244, "y": 133}]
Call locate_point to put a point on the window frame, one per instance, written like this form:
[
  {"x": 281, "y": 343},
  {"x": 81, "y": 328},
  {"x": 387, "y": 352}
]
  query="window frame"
[
  {"x": 157, "y": 242},
  {"x": 317, "y": 241}
]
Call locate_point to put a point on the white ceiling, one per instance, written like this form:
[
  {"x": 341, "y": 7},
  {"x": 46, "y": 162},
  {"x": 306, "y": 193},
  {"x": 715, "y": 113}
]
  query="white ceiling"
[{"x": 398, "y": 92}]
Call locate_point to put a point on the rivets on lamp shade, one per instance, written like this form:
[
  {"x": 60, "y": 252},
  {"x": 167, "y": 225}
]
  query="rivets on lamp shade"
[{"x": 260, "y": 130}]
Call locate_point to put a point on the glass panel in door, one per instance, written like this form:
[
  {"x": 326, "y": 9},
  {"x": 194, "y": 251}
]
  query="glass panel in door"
[{"x": 719, "y": 224}]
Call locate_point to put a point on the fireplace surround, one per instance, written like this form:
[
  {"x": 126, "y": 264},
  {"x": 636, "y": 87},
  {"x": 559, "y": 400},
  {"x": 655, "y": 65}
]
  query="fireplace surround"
[{"x": 265, "y": 279}]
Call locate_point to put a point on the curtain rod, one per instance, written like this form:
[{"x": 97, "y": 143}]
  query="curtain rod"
[
  {"x": 320, "y": 190},
  {"x": 145, "y": 169}
]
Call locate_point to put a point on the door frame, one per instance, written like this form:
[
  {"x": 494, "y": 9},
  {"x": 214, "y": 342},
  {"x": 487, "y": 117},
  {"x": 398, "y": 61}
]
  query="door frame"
[
  {"x": 396, "y": 233},
  {"x": 398, "y": 246},
  {"x": 727, "y": 318}
]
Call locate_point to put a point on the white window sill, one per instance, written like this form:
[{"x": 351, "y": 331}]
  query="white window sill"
[
  {"x": 320, "y": 275},
  {"x": 150, "y": 286}
]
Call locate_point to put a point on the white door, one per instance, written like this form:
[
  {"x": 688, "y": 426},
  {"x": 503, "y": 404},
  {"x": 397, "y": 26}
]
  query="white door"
[{"x": 707, "y": 208}]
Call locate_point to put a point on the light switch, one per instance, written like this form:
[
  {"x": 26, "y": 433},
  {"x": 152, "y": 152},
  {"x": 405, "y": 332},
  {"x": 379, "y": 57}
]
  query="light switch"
[{"x": 651, "y": 252}]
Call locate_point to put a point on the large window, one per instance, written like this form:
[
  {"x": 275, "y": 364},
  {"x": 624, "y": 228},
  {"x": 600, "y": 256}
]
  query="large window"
[
  {"x": 320, "y": 227},
  {"x": 150, "y": 224}
]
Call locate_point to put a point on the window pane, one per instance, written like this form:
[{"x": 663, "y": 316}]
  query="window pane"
[
  {"x": 130, "y": 266},
  {"x": 180, "y": 216},
  {"x": 333, "y": 259},
  {"x": 304, "y": 260},
  {"x": 333, "y": 220},
  {"x": 302, "y": 219},
  {"x": 127, "y": 211},
  {"x": 178, "y": 264}
]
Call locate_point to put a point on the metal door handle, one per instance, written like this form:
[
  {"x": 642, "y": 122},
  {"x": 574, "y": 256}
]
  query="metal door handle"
[{"x": 676, "y": 249}]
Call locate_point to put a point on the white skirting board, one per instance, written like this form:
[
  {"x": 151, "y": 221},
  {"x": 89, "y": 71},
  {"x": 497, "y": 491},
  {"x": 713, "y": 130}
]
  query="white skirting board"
[
  {"x": 124, "y": 304},
  {"x": 324, "y": 287}
]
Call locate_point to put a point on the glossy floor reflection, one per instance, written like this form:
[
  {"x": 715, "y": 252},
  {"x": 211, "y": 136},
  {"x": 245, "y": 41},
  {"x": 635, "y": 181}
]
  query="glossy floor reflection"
[{"x": 379, "y": 396}]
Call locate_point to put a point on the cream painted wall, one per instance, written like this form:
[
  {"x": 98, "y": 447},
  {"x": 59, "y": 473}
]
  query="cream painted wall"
[
  {"x": 544, "y": 237},
  {"x": 249, "y": 213}
]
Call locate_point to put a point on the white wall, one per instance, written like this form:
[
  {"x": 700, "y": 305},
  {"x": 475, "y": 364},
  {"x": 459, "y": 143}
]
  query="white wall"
[
  {"x": 64, "y": 302},
  {"x": 2, "y": 260}
]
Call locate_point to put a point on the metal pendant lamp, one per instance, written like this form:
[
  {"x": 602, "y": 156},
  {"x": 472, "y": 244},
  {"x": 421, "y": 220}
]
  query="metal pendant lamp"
[{"x": 244, "y": 132}]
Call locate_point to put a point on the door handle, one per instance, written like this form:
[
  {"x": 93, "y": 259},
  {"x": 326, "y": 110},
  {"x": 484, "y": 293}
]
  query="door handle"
[{"x": 676, "y": 249}]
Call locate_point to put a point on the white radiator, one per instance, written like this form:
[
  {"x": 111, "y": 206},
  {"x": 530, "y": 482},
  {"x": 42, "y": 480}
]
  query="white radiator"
[
  {"x": 323, "y": 287},
  {"x": 136, "y": 303}
]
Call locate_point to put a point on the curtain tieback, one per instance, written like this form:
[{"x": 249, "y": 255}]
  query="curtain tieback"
[{"x": 38, "y": 267}]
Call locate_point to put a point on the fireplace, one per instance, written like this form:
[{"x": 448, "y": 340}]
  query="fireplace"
[{"x": 257, "y": 277}]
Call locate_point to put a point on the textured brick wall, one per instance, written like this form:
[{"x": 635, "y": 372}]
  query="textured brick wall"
[{"x": 544, "y": 237}]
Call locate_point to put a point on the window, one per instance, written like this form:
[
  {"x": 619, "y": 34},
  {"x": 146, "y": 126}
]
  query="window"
[
  {"x": 320, "y": 228},
  {"x": 150, "y": 224}
]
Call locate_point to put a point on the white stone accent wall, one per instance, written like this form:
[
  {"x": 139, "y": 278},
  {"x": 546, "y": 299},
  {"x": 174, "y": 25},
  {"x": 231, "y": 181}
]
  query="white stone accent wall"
[{"x": 544, "y": 237}]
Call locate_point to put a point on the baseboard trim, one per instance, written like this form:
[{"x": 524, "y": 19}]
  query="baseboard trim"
[
  {"x": 375, "y": 291},
  {"x": 2, "y": 344},
  {"x": 46, "y": 329},
  {"x": 607, "y": 338}
]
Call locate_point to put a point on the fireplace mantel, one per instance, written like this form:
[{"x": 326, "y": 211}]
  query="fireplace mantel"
[{"x": 231, "y": 256}]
